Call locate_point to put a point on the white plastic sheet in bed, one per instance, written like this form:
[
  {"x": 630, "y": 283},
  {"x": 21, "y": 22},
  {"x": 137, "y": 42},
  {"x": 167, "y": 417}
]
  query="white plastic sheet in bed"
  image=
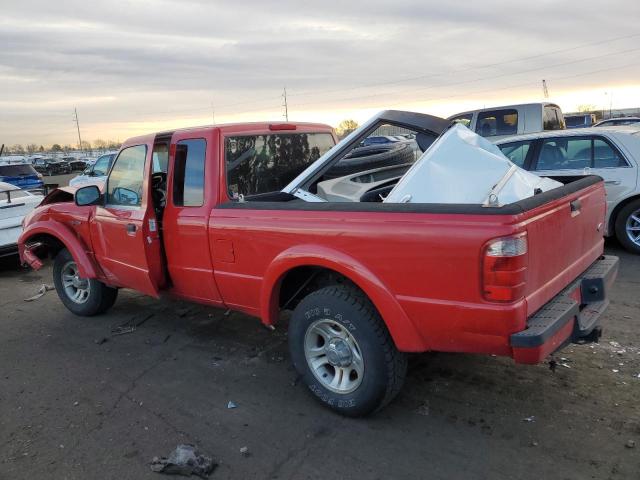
[{"x": 462, "y": 167}]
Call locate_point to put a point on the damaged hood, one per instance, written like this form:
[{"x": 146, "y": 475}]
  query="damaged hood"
[{"x": 464, "y": 168}]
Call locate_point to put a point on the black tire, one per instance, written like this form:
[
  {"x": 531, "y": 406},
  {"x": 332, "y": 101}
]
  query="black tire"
[
  {"x": 370, "y": 157},
  {"x": 384, "y": 366},
  {"x": 99, "y": 298},
  {"x": 624, "y": 215}
]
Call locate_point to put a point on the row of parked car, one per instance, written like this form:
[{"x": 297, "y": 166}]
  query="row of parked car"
[{"x": 22, "y": 188}]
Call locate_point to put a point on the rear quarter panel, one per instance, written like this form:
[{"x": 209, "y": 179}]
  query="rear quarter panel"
[{"x": 430, "y": 264}]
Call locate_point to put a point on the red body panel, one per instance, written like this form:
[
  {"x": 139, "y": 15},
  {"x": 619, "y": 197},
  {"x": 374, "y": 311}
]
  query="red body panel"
[{"x": 422, "y": 271}]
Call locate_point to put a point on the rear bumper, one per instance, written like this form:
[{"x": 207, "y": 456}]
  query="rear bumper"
[{"x": 571, "y": 316}]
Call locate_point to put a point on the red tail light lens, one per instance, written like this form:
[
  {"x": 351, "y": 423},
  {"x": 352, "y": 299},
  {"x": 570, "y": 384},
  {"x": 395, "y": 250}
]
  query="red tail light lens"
[{"x": 504, "y": 272}]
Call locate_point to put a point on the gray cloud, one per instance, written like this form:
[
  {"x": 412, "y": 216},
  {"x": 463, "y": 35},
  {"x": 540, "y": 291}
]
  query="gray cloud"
[{"x": 137, "y": 61}]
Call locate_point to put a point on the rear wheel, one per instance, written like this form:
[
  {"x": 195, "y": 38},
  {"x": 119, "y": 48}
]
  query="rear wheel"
[
  {"x": 628, "y": 226},
  {"x": 343, "y": 351},
  {"x": 82, "y": 296}
]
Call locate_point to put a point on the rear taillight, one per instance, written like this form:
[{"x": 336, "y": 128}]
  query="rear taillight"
[{"x": 504, "y": 269}]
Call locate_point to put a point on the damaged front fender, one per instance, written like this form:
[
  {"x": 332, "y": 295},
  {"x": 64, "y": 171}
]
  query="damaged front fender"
[{"x": 35, "y": 237}]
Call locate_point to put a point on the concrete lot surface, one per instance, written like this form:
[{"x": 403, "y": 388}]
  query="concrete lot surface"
[{"x": 77, "y": 402}]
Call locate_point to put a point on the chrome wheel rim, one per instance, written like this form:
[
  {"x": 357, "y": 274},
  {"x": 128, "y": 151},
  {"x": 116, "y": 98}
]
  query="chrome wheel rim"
[
  {"x": 333, "y": 356},
  {"x": 75, "y": 287},
  {"x": 633, "y": 227}
]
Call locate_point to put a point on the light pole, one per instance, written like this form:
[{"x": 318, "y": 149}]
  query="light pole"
[{"x": 610, "y": 95}]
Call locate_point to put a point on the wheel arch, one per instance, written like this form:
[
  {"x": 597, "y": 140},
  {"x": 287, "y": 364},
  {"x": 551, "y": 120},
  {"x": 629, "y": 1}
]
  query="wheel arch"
[
  {"x": 55, "y": 236},
  {"x": 316, "y": 258},
  {"x": 611, "y": 227}
]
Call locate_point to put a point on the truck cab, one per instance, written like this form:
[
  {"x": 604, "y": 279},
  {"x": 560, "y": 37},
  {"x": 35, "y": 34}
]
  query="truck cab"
[{"x": 501, "y": 122}]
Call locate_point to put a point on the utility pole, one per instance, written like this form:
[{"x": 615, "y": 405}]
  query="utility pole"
[
  {"x": 75, "y": 119},
  {"x": 545, "y": 90},
  {"x": 213, "y": 113},
  {"x": 284, "y": 104}
]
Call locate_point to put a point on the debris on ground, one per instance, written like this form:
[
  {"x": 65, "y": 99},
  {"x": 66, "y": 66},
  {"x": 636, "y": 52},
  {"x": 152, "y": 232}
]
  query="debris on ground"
[
  {"x": 123, "y": 330},
  {"x": 130, "y": 326},
  {"x": 100, "y": 341},
  {"x": 184, "y": 460},
  {"x": 231, "y": 405},
  {"x": 244, "y": 451},
  {"x": 529, "y": 419},
  {"x": 630, "y": 444},
  {"x": 423, "y": 409},
  {"x": 44, "y": 288}
]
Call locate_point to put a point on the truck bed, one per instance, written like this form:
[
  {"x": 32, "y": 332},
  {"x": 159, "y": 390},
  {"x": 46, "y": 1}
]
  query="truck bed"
[{"x": 428, "y": 257}]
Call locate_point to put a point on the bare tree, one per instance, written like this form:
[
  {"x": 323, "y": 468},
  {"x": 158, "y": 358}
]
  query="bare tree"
[
  {"x": 32, "y": 148},
  {"x": 346, "y": 127},
  {"x": 587, "y": 108},
  {"x": 18, "y": 149}
]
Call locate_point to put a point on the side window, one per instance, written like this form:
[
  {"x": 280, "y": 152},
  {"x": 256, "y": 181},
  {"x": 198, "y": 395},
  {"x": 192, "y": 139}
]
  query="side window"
[
  {"x": 516, "y": 151},
  {"x": 160, "y": 157},
  {"x": 464, "y": 119},
  {"x": 565, "y": 154},
  {"x": 552, "y": 119},
  {"x": 124, "y": 186},
  {"x": 604, "y": 156},
  {"x": 188, "y": 173},
  {"x": 497, "y": 122}
]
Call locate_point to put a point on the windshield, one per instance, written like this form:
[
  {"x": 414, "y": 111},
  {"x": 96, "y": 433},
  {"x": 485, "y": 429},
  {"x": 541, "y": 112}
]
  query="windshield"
[{"x": 16, "y": 170}]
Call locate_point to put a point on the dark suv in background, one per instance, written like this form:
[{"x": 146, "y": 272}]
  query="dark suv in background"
[{"x": 49, "y": 166}]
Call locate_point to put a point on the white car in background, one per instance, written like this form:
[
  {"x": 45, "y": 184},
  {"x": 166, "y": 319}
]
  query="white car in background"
[
  {"x": 615, "y": 122},
  {"x": 95, "y": 174},
  {"x": 613, "y": 153},
  {"x": 15, "y": 203}
]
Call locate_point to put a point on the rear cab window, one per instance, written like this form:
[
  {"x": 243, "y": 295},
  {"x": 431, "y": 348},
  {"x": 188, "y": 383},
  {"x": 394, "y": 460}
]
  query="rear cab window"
[
  {"x": 266, "y": 163},
  {"x": 493, "y": 123},
  {"x": 17, "y": 170}
]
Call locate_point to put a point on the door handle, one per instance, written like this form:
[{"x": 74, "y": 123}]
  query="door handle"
[
  {"x": 131, "y": 228},
  {"x": 576, "y": 205},
  {"x": 612, "y": 182}
]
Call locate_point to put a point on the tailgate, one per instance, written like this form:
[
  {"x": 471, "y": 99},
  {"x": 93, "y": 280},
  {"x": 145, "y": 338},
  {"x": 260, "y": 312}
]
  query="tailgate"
[{"x": 565, "y": 237}]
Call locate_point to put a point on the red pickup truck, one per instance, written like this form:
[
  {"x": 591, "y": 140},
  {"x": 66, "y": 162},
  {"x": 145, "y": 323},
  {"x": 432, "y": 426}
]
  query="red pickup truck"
[{"x": 233, "y": 216}]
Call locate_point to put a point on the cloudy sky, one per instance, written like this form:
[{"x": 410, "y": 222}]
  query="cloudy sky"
[{"x": 138, "y": 66}]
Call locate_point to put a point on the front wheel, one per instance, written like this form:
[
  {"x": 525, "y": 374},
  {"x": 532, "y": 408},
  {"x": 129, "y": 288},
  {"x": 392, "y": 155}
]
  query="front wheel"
[
  {"x": 343, "y": 351},
  {"x": 628, "y": 226},
  {"x": 83, "y": 296}
]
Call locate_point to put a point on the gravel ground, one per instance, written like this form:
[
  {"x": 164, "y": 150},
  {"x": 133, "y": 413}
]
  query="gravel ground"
[{"x": 77, "y": 402}]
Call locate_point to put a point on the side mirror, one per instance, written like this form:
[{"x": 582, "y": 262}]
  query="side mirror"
[{"x": 88, "y": 195}]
